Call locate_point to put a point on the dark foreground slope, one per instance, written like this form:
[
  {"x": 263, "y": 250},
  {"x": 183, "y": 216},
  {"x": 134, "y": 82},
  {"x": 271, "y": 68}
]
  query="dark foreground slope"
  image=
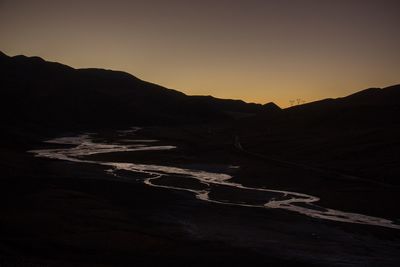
[
  {"x": 357, "y": 134},
  {"x": 60, "y": 213}
]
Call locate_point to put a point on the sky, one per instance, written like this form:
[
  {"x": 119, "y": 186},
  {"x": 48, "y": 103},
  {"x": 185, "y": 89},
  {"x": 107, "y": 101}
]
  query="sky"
[{"x": 255, "y": 50}]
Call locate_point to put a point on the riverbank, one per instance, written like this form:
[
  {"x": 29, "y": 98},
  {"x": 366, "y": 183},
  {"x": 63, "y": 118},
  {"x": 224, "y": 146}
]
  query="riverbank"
[{"x": 57, "y": 213}]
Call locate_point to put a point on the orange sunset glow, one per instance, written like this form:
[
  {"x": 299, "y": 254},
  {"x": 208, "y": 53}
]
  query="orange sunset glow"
[{"x": 258, "y": 51}]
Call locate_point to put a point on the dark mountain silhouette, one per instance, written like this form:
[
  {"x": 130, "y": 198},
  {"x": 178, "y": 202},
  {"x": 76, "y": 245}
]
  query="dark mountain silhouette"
[
  {"x": 356, "y": 134},
  {"x": 367, "y": 108},
  {"x": 50, "y": 94},
  {"x": 368, "y": 98},
  {"x": 271, "y": 106}
]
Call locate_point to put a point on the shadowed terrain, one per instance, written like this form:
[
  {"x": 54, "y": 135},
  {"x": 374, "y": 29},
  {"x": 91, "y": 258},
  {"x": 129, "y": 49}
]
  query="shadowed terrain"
[
  {"x": 54, "y": 95},
  {"x": 63, "y": 213},
  {"x": 357, "y": 134}
]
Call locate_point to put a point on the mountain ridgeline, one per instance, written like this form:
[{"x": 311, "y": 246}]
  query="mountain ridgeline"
[
  {"x": 50, "y": 94},
  {"x": 357, "y": 134}
]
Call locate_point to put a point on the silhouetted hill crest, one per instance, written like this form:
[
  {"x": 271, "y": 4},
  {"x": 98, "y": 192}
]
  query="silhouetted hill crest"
[
  {"x": 371, "y": 97},
  {"x": 48, "y": 93},
  {"x": 271, "y": 106}
]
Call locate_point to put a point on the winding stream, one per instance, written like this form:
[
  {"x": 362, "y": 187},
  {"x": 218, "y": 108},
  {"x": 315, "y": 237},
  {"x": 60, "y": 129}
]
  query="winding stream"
[{"x": 215, "y": 187}]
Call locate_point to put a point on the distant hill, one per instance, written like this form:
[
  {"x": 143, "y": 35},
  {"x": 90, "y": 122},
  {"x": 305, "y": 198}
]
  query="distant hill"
[
  {"x": 356, "y": 134},
  {"x": 38, "y": 92},
  {"x": 366, "y": 108},
  {"x": 373, "y": 106},
  {"x": 371, "y": 97}
]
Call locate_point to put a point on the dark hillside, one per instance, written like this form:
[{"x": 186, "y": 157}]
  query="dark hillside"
[
  {"x": 52, "y": 95},
  {"x": 357, "y": 134}
]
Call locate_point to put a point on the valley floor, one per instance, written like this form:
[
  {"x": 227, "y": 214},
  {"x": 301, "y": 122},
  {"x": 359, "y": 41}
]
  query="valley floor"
[{"x": 60, "y": 213}]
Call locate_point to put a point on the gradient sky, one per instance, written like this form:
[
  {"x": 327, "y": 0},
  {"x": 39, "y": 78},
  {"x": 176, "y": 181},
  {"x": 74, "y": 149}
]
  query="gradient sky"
[{"x": 255, "y": 50}]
